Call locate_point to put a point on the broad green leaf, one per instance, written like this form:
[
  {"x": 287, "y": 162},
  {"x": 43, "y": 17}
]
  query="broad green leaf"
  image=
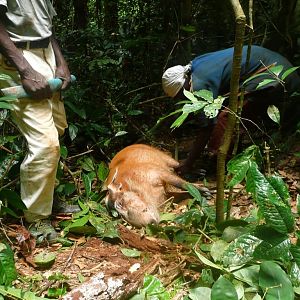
[
  {"x": 223, "y": 289},
  {"x": 274, "y": 113},
  {"x": 194, "y": 192},
  {"x": 280, "y": 187},
  {"x": 239, "y": 172},
  {"x": 135, "y": 112},
  {"x": 69, "y": 188},
  {"x": 207, "y": 262},
  {"x": 178, "y": 122},
  {"x": 194, "y": 107},
  {"x": 275, "y": 282},
  {"x": 205, "y": 94},
  {"x": 130, "y": 252},
  {"x": 264, "y": 83},
  {"x": 288, "y": 72},
  {"x": 267, "y": 250},
  {"x": 230, "y": 233},
  {"x": 277, "y": 214},
  {"x": 190, "y": 95},
  {"x": 248, "y": 275},
  {"x": 73, "y": 130},
  {"x": 79, "y": 222},
  {"x": 200, "y": 293},
  {"x": 276, "y": 70},
  {"x": 8, "y": 271},
  {"x": 217, "y": 250},
  {"x": 87, "y": 164},
  {"x": 241, "y": 250},
  {"x": 13, "y": 199}
]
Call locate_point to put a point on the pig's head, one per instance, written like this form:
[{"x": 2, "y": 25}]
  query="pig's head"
[{"x": 131, "y": 205}]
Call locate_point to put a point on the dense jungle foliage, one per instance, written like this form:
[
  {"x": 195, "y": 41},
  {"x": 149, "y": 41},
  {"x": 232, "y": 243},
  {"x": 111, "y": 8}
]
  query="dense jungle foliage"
[{"x": 118, "y": 51}]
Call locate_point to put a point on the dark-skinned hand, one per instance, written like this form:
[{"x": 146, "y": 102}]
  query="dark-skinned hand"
[
  {"x": 63, "y": 72},
  {"x": 35, "y": 85}
]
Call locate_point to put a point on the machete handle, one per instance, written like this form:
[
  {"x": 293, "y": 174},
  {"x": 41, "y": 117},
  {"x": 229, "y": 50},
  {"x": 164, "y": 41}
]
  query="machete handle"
[{"x": 19, "y": 92}]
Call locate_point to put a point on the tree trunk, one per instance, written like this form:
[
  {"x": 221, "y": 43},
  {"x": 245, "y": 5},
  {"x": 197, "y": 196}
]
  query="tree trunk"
[
  {"x": 240, "y": 20},
  {"x": 111, "y": 16},
  {"x": 80, "y": 14}
]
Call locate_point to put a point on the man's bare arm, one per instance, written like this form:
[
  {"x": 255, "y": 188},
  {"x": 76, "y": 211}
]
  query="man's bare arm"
[{"x": 33, "y": 82}]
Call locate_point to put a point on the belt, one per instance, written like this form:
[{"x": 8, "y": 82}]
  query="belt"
[{"x": 44, "y": 43}]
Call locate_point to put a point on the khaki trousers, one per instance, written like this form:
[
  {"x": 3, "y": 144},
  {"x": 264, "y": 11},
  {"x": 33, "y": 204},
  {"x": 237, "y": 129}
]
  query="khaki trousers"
[{"x": 41, "y": 122}]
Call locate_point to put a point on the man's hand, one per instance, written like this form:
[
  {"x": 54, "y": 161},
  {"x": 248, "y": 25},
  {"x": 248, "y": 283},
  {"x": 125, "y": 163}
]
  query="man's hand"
[
  {"x": 63, "y": 72},
  {"x": 35, "y": 85}
]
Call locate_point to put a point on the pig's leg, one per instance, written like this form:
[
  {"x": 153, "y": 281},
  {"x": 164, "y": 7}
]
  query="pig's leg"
[{"x": 176, "y": 181}]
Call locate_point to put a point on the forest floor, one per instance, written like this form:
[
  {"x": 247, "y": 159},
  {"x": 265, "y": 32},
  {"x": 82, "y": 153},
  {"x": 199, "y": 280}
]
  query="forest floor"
[{"x": 92, "y": 264}]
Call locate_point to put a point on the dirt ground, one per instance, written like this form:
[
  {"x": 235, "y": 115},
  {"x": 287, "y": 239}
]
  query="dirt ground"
[{"x": 96, "y": 269}]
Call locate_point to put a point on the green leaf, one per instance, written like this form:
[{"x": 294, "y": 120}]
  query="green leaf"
[
  {"x": 103, "y": 171},
  {"x": 19, "y": 294},
  {"x": 105, "y": 229},
  {"x": 194, "y": 107},
  {"x": 120, "y": 133},
  {"x": 8, "y": 271},
  {"x": 277, "y": 214},
  {"x": 241, "y": 250},
  {"x": 194, "y": 192},
  {"x": 280, "y": 187},
  {"x": 275, "y": 282},
  {"x": 276, "y": 69},
  {"x": 239, "y": 171},
  {"x": 217, "y": 250},
  {"x": 288, "y": 72},
  {"x": 178, "y": 122},
  {"x": 274, "y": 113},
  {"x": 189, "y": 95},
  {"x": 64, "y": 152},
  {"x": 73, "y": 130},
  {"x": 200, "y": 293},
  {"x": 5, "y": 77},
  {"x": 264, "y": 83},
  {"x": 207, "y": 262},
  {"x": 248, "y": 275},
  {"x": 205, "y": 94},
  {"x": 69, "y": 188},
  {"x": 154, "y": 288},
  {"x": 223, "y": 289},
  {"x": 80, "y": 112},
  {"x": 87, "y": 164},
  {"x": 12, "y": 198},
  {"x": 255, "y": 76},
  {"x": 130, "y": 252},
  {"x": 5, "y": 105},
  {"x": 212, "y": 110},
  {"x": 87, "y": 184}
]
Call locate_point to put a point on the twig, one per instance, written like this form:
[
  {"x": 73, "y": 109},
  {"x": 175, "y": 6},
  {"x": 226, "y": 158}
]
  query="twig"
[
  {"x": 80, "y": 154},
  {"x": 70, "y": 256}
]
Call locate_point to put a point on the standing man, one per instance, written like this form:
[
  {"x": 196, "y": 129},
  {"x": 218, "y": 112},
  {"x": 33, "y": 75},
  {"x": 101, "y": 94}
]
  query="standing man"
[
  {"x": 30, "y": 55},
  {"x": 212, "y": 71}
]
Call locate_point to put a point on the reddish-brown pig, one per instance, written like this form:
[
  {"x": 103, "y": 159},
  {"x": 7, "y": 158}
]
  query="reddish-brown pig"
[{"x": 136, "y": 183}]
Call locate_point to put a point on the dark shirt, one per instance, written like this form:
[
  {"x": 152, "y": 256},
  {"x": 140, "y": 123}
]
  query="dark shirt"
[{"x": 212, "y": 71}]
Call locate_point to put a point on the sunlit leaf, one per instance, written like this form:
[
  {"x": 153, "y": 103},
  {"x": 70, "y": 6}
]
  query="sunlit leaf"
[
  {"x": 200, "y": 293},
  {"x": 274, "y": 113},
  {"x": 178, "y": 122},
  {"x": 120, "y": 133},
  {"x": 264, "y": 83},
  {"x": 288, "y": 72},
  {"x": 8, "y": 271},
  {"x": 205, "y": 94},
  {"x": 276, "y": 69},
  {"x": 130, "y": 252},
  {"x": 73, "y": 130}
]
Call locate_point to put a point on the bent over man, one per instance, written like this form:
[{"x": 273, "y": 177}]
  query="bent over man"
[{"x": 212, "y": 71}]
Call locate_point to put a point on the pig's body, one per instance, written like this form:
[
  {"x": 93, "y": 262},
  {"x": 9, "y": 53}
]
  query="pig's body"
[{"x": 137, "y": 180}]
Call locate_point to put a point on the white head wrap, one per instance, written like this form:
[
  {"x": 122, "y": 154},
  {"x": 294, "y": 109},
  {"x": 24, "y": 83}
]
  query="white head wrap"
[{"x": 174, "y": 78}]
